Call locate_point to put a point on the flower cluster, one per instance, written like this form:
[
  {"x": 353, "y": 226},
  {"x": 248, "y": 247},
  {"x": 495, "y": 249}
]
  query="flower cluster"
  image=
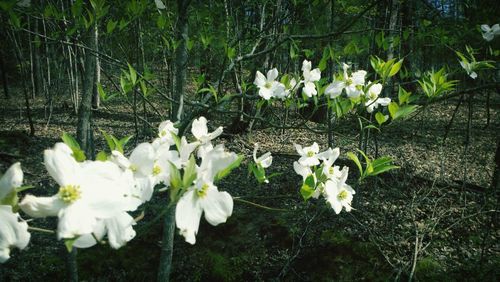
[
  {"x": 354, "y": 84},
  {"x": 355, "y": 87},
  {"x": 13, "y": 232},
  {"x": 490, "y": 32},
  {"x": 269, "y": 87},
  {"x": 321, "y": 177},
  {"x": 94, "y": 198}
]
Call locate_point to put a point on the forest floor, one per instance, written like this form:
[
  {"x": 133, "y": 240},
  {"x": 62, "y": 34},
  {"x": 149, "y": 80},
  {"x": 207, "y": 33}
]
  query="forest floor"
[{"x": 426, "y": 210}]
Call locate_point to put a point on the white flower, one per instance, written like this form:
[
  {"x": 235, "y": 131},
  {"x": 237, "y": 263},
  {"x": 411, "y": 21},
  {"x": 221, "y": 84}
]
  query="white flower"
[
  {"x": 200, "y": 131},
  {"x": 268, "y": 86},
  {"x": 308, "y": 155},
  {"x": 12, "y": 179},
  {"x": 286, "y": 90},
  {"x": 373, "y": 97},
  {"x": 159, "y": 5},
  {"x": 335, "y": 88},
  {"x": 265, "y": 160},
  {"x": 87, "y": 192},
  {"x": 469, "y": 68},
  {"x": 490, "y": 32},
  {"x": 165, "y": 131},
  {"x": 204, "y": 197},
  {"x": 310, "y": 76},
  {"x": 355, "y": 83},
  {"x": 13, "y": 233},
  {"x": 338, "y": 193}
]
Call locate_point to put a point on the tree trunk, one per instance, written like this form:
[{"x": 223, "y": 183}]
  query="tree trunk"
[
  {"x": 84, "y": 129},
  {"x": 181, "y": 58},
  {"x": 167, "y": 246},
  {"x": 95, "y": 94},
  {"x": 4, "y": 76}
]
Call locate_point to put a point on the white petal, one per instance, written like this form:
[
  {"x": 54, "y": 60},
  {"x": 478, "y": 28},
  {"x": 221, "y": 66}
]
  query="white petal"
[
  {"x": 142, "y": 158},
  {"x": 260, "y": 79},
  {"x": 272, "y": 74},
  {"x": 75, "y": 220},
  {"x": 199, "y": 127},
  {"x": 187, "y": 216},
  {"x": 265, "y": 93},
  {"x": 218, "y": 206},
  {"x": 216, "y": 133},
  {"x": 299, "y": 149},
  {"x": 306, "y": 66},
  {"x": 309, "y": 89},
  {"x": 61, "y": 165},
  {"x": 358, "y": 77},
  {"x": 41, "y": 206},
  {"x": 12, "y": 179},
  {"x": 315, "y": 75},
  {"x": 384, "y": 101},
  {"x": 485, "y": 28},
  {"x": 335, "y": 88},
  {"x": 159, "y": 5},
  {"x": 473, "y": 75},
  {"x": 120, "y": 230},
  {"x": 12, "y": 232},
  {"x": 88, "y": 240}
]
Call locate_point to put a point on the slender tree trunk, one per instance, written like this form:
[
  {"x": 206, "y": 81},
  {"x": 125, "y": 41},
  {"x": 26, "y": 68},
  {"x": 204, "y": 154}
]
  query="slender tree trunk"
[
  {"x": 181, "y": 58},
  {"x": 95, "y": 94},
  {"x": 84, "y": 129},
  {"x": 167, "y": 246}
]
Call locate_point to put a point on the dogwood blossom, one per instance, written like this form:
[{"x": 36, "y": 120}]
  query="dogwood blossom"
[
  {"x": 88, "y": 191},
  {"x": 200, "y": 131},
  {"x": 335, "y": 88},
  {"x": 308, "y": 155},
  {"x": 339, "y": 194},
  {"x": 265, "y": 160},
  {"x": 310, "y": 76},
  {"x": 373, "y": 98},
  {"x": 268, "y": 86},
  {"x": 469, "y": 68},
  {"x": 490, "y": 32},
  {"x": 13, "y": 232},
  {"x": 204, "y": 197}
]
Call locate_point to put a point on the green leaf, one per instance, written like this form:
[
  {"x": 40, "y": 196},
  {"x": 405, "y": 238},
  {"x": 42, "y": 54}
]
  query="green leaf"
[
  {"x": 225, "y": 172},
  {"x": 69, "y": 243},
  {"x": 404, "y": 111},
  {"x": 133, "y": 74},
  {"x": 101, "y": 156},
  {"x": 11, "y": 199},
  {"x": 189, "y": 173},
  {"x": 118, "y": 145},
  {"x": 109, "y": 140},
  {"x": 307, "y": 189},
  {"x": 175, "y": 177},
  {"x": 381, "y": 118},
  {"x": 125, "y": 140},
  {"x": 101, "y": 92},
  {"x": 395, "y": 68},
  {"x": 355, "y": 159},
  {"x": 393, "y": 108},
  {"x": 110, "y": 26},
  {"x": 70, "y": 141}
]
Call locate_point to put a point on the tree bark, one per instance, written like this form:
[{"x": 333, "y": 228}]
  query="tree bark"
[
  {"x": 95, "y": 94},
  {"x": 167, "y": 246},
  {"x": 181, "y": 58},
  {"x": 84, "y": 128}
]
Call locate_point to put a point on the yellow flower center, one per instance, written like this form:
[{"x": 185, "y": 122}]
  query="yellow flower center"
[
  {"x": 268, "y": 85},
  {"x": 156, "y": 170},
  {"x": 163, "y": 133},
  {"x": 348, "y": 81},
  {"x": 342, "y": 195},
  {"x": 359, "y": 87},
  {"x": 133, "y": 168},
  {"x": 203, "y": 191},
  {"x": 310, "y": 154},
  {"x": 69, "y": 193},
  {"x": 331, "y": 170}
]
